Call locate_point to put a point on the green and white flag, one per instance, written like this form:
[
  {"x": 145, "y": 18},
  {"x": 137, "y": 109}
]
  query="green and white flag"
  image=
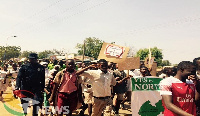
[{"x": 146, "y": 99}]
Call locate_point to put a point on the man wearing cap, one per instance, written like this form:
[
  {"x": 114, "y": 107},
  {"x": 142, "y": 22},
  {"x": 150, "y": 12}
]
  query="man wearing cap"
[{"x": 31, "y": 82}]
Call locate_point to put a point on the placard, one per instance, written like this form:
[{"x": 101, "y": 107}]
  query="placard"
[
  {"x": 113, "y": 53},
  {"x": 129, "y": 63},
  {"x": 146, "y": 99}
]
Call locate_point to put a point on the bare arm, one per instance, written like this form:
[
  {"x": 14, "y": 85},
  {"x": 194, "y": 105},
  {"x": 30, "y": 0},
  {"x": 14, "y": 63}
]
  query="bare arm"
[
  {"x": 125, "y": 78},
  {"x": 170, "y": 106},
  {"x": 52, "y": 97},
  {"x": 57, "y": 80},
  {"x": 45, "y": 90},
  {"x": 84, "y": 69}
]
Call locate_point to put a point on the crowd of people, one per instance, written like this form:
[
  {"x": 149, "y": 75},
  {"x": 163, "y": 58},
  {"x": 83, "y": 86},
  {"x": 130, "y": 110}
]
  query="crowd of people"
[{"x": 63, "y": 86}]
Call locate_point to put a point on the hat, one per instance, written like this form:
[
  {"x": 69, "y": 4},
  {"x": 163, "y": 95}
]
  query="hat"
[{"x": 33, "y": 56}]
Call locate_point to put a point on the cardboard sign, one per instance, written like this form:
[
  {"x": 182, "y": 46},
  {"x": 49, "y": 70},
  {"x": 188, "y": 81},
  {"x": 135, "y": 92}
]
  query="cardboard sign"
[
  {"x": 145, "y": 97},
  {"x": 149, "y": 62},
  {"x": 129, "y": 63},
  {"x": 153, "y": 69},
  {"x": 113, "y": 53},
  {"x": 151, "y": 65}
]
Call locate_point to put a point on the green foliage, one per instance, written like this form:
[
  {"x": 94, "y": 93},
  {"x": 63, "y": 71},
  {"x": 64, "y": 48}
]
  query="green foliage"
[
  {"x": 142, "y": 53},
  {"x": 92, "y": 47},
  {"x": 166, "y": 63},
  {"x": 155, "y": 52},
  {"x": 25, "y": 54},
  {"x": 44, "y": 54},
  {"x": 9, "y": 52}
]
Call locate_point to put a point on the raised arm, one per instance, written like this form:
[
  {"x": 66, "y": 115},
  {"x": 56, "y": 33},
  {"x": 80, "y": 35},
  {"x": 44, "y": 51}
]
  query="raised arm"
[{"x": 82, "y": 70}]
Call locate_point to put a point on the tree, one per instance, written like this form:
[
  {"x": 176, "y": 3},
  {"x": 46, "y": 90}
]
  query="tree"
[
  {"x": 92, "y": 47},
  {"x": 25, "y": 54},
  {"x": 9, "y": 52},
  {"x": 44, "y": 54},
  {"x": 155, "y": 52},
  {"x": 166, "y": 63}
]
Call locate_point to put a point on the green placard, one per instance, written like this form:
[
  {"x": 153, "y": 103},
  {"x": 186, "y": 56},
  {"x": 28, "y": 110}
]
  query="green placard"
[{"x": 145, "y": 83}]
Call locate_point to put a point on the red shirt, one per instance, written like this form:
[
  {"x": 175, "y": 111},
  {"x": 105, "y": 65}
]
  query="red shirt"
[
  {"x": 183, "y": 95},
  {"x": 68, "y": 84}
]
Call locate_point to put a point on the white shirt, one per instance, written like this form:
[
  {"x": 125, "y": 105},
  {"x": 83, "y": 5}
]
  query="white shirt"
[{"x": 101, "y": 82}]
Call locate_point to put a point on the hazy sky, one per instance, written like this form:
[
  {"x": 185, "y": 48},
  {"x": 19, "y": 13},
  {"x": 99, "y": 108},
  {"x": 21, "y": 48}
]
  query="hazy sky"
[{"x": 170, "y": 25}]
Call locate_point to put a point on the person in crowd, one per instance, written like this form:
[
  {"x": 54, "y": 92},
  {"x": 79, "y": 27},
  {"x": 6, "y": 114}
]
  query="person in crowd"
[
  {"x": 102, "y": 80},
  {"x": 52, "y": 64},
  {"x": 127, "y": 95},
  {"x": 46, "y": 92},
  {"x": 196, "y": 62},
  {"x": 49, "y": 88},
  {"x": 167, "y": 72},
  {"x": 120, "y": 88},
  {"x": 3, "y": 80},
  {"x": 31, "y": 79},
  {"x": 14, "y": 72},
  {"x": 66, "y": 87},
  {"x": 62, "y": 65},
  {"x": 5, "y": 77},
  {"x": 19, "y": 63},
  {"x": 144, "y": 71},
  {"x": 87, "y": 92},
  {"x": 174, "y": 71},
  {"x": 178, "y": 93}
]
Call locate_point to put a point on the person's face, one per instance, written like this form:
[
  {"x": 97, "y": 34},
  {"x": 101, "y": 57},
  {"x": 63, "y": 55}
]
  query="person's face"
[
  {"x": 103, "y": 66},
  {"x": 189, "y": 71},
  {"x": 70, "y": 64},
  {"x": 143, "y": 70}
]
